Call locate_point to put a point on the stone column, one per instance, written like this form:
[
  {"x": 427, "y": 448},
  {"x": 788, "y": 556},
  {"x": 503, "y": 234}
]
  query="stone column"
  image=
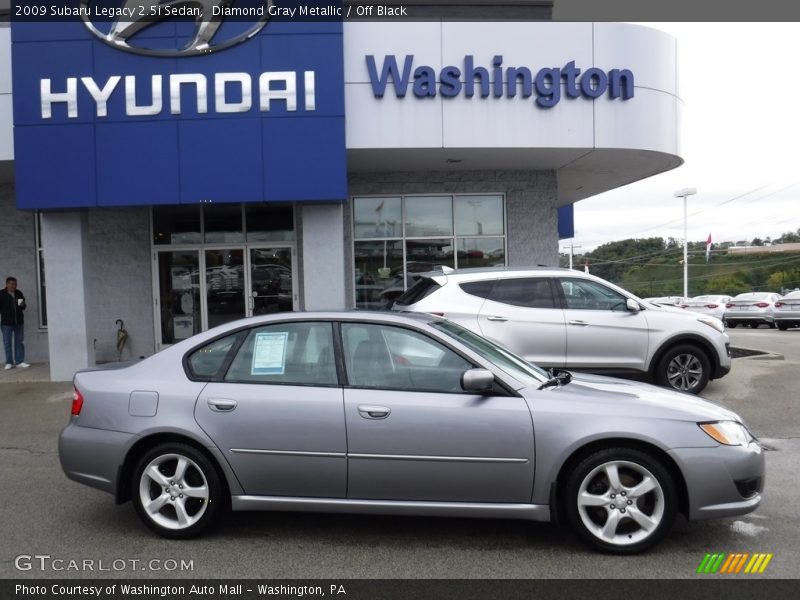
[
  {"x": 64, "y": 243},
  {"x": 323, "y": 257}
]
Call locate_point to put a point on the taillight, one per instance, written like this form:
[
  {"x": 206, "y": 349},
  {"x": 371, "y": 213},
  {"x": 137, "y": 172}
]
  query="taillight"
[
  {"x": 762, "y": 305},
  {"x": 729, "y": 305},
  {"x": 77, "y": 403},
  {"x": 711, "y": 306},
  {"x": 684, "y": 306},
  {"x": 779, "y": 304}
]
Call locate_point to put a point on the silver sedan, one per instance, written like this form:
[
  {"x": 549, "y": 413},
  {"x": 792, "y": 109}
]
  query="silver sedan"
[
  {"x": 402, "y": 414},
  {"x": 712, "y": 305},
  {"x": 751, "y": 308},
  {"x": 787, "y": 311}
]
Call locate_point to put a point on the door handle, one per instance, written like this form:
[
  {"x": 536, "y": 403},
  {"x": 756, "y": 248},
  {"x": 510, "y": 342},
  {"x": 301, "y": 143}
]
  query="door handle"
[
  {"x": 374, "y": 412},
  {"x": 496, "y": 318},
  {"x": 221, "y": 404},
  {"x": 579, "y": 323}
]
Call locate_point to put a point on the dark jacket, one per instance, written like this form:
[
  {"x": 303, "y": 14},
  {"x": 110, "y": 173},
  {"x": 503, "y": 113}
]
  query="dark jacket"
[{"x": 10, "y": 310}]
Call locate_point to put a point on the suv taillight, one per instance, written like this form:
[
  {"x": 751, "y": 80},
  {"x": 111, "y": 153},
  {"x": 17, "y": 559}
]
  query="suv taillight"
[
  {"x": 762, "y": 304},
  {"x": 77, "y": 403},
  {"x": 711, "y": 306}
]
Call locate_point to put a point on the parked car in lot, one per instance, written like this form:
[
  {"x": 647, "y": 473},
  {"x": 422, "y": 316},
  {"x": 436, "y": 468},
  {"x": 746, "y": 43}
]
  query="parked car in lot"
[
  {"x": 385, "y": 413},
  {"x": 751, "y": 308},
  {"x": 713, "y": 305},
  {"x": 787, "y": 311},
  {"x": 668, "y": 300},
  {"x": 570, "y": 319}
]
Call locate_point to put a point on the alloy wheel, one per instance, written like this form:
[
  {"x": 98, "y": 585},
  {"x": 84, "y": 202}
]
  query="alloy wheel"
[
  {"x": 684, "y": 372},
  {"x": 173, "y": 491}
]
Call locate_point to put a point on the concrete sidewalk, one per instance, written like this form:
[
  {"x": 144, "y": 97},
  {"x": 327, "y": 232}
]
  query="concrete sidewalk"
[{"x": 35, "y": 373}]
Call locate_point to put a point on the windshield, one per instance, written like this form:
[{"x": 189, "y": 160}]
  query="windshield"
[{"x": 512, "y": 364}]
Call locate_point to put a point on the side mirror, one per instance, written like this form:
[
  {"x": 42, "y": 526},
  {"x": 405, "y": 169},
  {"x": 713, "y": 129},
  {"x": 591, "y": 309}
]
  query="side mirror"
[
  {"x": 479, "y": 381},
  {"x": 632, "y": 305}
]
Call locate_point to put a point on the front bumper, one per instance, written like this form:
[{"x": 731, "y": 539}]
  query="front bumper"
[
  {"x": 93, "y": 456},
  {"x": 722, "y": 481}
]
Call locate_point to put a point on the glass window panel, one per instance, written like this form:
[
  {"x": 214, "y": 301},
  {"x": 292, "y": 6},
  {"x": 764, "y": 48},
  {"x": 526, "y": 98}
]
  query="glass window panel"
[
  {"x": 427, "y": 255},
  {"x": 481, "y": 252},
  {"x": 429, "y": 216},
  {"x": 224, "y": 285},
  {"x": 479, "y": 215},
  {"x": 286, "y": 353},
  {"x": 377, "y": 217},
  {"x": 179, "y": 293},
  {"x": 223, "y": 223},
  {"x": 176, "y": 225},
  {"x": 378, "y": 356},
  {"x": 378, "y": 272},
  {"x": 269, "y": 223}
]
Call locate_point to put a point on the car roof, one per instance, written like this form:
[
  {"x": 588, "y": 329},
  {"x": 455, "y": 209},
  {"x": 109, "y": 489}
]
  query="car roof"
[{"x": 489, "y": 272}]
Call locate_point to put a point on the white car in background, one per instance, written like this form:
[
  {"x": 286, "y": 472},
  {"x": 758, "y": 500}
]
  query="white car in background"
[
  {"x": 561, "y": 318},
  {"x": 787, "y": 311},
  {"x": 751, "y": 308},
  {"x": 713, "y": 305}
]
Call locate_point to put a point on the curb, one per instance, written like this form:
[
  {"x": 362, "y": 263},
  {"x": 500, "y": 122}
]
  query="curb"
[{"x": 755, "y": 354}]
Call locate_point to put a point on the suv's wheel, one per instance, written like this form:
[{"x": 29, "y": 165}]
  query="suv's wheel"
[
  {"x": 685, "y": 368},
  {"x": 177, "y": 492},
  {"x": 620, "y": 500}
]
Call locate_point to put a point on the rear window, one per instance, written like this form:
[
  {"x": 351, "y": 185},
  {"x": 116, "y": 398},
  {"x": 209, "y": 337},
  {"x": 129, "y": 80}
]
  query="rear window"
[
  {"x": 481, "y": 289},
  {"x": 423, "y": 288}
]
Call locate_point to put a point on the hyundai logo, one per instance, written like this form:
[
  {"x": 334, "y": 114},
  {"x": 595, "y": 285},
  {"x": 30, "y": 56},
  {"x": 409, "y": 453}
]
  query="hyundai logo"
[{"x": 132, "y": 17}]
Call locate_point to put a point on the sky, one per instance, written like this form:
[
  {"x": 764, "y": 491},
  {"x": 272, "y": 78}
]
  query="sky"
[{"x": 740, "y": 140}]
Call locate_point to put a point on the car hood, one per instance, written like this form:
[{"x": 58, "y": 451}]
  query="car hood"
[{"x": 620, "y": 396}]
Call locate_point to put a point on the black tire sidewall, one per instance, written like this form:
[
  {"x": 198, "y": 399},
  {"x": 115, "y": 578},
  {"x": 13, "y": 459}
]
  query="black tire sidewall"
[
  {"x": 215, "y": 490},
  {"x": 661, "y": 369},
  {"x": 585, "y": 466}
]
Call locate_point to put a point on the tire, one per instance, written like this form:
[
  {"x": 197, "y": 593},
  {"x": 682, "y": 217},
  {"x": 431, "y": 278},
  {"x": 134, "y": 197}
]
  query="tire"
[
  {"x": 641, "y": 521},
  {"x": 753, "y": 325},
  {"x": 730, "y": 325},
  {"x": 159, "y": 496},
  {"x": 685, "y": 368},
  {"x": 783, "y": 326}
]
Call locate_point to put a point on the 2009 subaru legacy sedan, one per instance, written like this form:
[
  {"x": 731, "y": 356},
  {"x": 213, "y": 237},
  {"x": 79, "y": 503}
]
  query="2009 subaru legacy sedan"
[{"x": 406, "y": 414}]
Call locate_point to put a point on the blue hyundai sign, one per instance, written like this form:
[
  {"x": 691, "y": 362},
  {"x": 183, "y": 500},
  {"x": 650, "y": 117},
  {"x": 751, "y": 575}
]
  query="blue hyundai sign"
[{"x": 121, "y": 111}]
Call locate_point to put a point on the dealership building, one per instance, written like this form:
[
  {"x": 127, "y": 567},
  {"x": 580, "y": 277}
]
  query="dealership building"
[{"x": 173, "y": 175}]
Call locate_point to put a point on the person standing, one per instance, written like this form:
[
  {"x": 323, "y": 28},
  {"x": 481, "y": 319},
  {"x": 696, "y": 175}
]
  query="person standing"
[{"x": 12, "y": 305}]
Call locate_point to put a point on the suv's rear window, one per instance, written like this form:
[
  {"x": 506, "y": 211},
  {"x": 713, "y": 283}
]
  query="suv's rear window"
[
  {"x": 481, "y": 289},
  {"x": 424, "y": 287}
]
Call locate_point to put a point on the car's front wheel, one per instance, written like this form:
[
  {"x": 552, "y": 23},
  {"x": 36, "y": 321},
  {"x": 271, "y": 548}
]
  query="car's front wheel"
[
  {"x": 177, "y": 491},
  {"x": 620, "y": 500},
  {"x": 685, "y": 368}
]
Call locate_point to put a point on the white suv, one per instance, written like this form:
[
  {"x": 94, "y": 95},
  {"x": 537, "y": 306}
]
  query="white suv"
[{"x": 569, "y": 319}]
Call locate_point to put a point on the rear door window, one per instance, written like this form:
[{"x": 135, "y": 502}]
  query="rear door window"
[{"x": 528, "y": 292}]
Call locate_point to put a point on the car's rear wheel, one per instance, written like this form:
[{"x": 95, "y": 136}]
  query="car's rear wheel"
[
  {"x": 620, "y": 500},
  {"x": 783, "y": 326},
  {"x": 685, "y": 368},
  {"x": 730, "y": 324},
  {"x": 177, "y": 491}
]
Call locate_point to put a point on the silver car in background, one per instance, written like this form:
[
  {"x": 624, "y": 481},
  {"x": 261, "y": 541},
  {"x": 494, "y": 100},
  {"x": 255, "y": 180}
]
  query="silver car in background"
[
  {"x": 751, "y": 308},
  {"x": 712, "y": 305},
  {"x": 787, "y": 311},
  {"x": 383, "y": 413},
  {"x": 570, "y": 319}
]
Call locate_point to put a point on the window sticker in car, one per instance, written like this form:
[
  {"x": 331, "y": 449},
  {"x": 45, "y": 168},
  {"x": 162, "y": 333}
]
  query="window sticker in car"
[{"x": 269, "y": 353}]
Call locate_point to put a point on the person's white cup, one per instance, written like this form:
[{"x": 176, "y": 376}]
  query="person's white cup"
[{"x": 20, "y": 301}]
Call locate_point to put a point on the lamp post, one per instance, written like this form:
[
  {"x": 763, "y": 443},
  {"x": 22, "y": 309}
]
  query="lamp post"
[
  {"x": 571, "y": 252},
  {"x": 685, "y": 193}
]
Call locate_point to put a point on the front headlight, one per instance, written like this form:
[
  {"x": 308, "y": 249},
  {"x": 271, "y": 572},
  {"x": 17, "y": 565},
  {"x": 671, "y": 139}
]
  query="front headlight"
[
  {"x": 729, "y": 433},
  {"x": 713, "y": 322}
]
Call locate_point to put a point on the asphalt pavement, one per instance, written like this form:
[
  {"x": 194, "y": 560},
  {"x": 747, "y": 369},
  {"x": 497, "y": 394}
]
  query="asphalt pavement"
[{"x": 45, "y": 514}]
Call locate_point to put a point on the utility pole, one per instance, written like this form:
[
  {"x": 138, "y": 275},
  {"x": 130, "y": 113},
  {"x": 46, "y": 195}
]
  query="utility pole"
[
  {"x": 685, "y": 193},
  {"x": 571, "y": 252}
]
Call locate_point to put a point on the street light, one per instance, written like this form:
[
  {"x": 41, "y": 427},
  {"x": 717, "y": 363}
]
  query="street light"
[
  {"x": 685, "y": 193},
  {"x": 571, "y": 252}
]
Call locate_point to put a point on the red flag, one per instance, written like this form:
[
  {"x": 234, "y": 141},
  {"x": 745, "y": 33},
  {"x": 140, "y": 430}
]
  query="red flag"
[{"x": 708, "y": 247}]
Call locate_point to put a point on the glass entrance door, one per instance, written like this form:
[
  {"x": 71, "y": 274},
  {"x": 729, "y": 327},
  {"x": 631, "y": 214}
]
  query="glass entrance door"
[
  {"x": 271, "y": 280},
  {"x": 225, "y": 285}
]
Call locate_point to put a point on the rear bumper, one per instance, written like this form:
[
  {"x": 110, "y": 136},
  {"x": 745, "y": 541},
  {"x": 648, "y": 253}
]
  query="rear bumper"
[
  {"x": 748, "y": 318},
  {"x": 93, "y": 456},
  {"x": 723, "y": 481}
]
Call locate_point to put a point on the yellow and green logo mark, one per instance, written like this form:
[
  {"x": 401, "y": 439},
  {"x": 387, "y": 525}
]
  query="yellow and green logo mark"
[{"x": 734, "y": 563}]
